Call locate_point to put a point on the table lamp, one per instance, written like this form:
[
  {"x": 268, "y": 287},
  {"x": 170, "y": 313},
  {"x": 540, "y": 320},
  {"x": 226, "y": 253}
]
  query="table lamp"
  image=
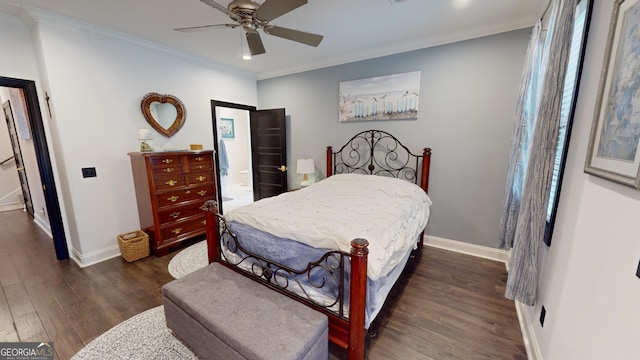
[
  {"x": 143, "y": 136},
  {"x": 305, "y": 167}
]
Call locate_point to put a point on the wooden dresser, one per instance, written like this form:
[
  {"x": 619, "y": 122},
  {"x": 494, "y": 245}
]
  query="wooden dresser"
[{"x": 171, "y": 187}]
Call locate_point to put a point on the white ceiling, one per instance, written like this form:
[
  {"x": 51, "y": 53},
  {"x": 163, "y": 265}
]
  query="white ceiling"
[{"x": 353, "y": 29}]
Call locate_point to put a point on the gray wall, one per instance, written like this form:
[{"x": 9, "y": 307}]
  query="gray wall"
[{"x": 467, "y": 101}]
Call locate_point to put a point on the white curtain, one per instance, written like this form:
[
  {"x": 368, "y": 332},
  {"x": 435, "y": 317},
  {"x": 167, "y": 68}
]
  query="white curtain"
[
  {"x": 534, "y": 151},
  {"x": 526, "y": 110}
]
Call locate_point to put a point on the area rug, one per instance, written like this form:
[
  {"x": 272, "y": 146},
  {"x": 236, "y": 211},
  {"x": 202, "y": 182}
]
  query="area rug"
[
  {"x": 189, "y": 260},
  {"x": 144, "y": 336}
]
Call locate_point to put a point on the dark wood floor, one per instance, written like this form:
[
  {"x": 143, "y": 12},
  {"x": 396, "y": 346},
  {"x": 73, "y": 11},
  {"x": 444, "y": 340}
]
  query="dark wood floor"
[{"x": 448, "y": 306}]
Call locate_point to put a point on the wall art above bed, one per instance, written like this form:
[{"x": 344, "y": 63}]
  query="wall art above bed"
[{"x": 391, "y": 97}]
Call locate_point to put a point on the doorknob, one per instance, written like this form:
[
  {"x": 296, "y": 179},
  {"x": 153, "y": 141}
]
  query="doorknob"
[{"x": 282, "y": 168}]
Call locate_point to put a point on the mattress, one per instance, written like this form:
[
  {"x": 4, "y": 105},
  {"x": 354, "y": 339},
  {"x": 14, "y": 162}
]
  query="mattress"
[
  {"x": 298, "y": 227},
  {"x": 389, "y": 213}
]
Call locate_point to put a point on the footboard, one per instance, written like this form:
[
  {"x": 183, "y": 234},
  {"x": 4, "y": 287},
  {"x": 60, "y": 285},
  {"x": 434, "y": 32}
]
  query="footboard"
[{"x": 347, "y": 273}]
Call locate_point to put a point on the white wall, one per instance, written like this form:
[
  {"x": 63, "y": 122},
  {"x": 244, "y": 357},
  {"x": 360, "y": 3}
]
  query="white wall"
[
  {"x": 588, "y": 285},
  {"x": 19, "y": 61},
  {"x": 96, "y": 80},
  {"x": 238, "y": 148},
  {"x": 468, "y": 93}
]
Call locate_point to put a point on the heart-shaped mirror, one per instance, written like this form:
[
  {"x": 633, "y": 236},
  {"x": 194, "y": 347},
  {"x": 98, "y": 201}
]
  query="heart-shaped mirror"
[{"x": 165, "y": 113}]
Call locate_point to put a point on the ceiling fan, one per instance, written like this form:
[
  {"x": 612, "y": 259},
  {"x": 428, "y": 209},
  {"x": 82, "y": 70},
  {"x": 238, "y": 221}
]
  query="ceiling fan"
[{"x": 252, "y": 17}]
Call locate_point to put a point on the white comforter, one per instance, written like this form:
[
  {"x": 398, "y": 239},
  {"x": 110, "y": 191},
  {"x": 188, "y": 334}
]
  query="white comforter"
[{"x": 389, "y": 213}]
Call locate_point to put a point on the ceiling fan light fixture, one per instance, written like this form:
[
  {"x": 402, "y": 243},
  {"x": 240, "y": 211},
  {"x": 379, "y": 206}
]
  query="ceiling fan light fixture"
[
  {"x": 253, "y": 16},
  {"x": 244, "y": 48}
]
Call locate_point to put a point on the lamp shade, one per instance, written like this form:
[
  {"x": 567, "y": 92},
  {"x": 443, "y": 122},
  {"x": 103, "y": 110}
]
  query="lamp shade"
[
  {"x": 305, "y": 166},
  {"x": 144, "y": 134}
]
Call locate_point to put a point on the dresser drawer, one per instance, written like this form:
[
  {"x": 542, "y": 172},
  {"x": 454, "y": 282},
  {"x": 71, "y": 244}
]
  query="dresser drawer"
[
  {"x": 199, "y": 159},
  {"x": 182, "y": 212},
  {"x": 172, "y": 198},
  {"x": 167, "y": 170},
  {"x": 195, "y": 167},
  {"x": 170, "y": 182},
  {"x": 163, "y": 161},
  {"x": 180, "y": 228},
  {"x": 200, "y": 178}
]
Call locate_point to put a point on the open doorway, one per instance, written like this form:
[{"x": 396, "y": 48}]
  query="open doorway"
[
  {"x": 256, "y": 166},
  {"x": 14, "y": 186},
  {"x": 43, "y": 160},
  {"x": 233, "y": 154}
]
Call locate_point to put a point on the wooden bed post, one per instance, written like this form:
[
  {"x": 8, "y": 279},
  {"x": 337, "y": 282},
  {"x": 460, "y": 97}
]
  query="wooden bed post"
[
  {"x": 213, "y": 233},
  {"x": 426, "y": 164},
  {"x": 357, "y": 297},
  {"x": 329, "y": 161},
  {"x": 424, "y": 181}
]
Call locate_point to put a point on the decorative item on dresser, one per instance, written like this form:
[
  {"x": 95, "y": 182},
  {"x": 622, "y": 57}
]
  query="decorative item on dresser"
[{"x": 171, "y": 187}]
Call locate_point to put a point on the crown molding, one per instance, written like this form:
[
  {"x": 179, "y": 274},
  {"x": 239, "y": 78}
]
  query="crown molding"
[
  {"x": 32, "y": 16},
  {"x": 402, "y": 48},
  {"x": 12, "y": 21}
]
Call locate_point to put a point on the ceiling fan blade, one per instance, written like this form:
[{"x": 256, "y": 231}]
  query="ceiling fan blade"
[
  {"x": 295, "y": 35},
  {"x": 205, "y": 27},
  {"x": 221, "y": 8},
  {"x": 272, "y": 9},
  {"x": 255, "y": 43}
]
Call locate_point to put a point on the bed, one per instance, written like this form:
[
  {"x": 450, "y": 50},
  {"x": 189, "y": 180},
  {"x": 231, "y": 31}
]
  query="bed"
[{"x": 340, "y": 244}]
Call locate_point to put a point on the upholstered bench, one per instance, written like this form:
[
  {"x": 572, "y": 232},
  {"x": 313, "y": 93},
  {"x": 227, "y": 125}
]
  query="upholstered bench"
[{"x": 221, "y": 314}]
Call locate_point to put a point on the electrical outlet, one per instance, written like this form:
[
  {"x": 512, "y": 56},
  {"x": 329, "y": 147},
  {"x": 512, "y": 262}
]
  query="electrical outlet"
[
  {"x": 89, "y": 172},
  {"x": 543, "y": 314}
]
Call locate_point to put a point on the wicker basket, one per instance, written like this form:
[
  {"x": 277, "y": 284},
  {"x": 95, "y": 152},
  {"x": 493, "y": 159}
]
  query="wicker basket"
[{"x": 134, "y": 245}]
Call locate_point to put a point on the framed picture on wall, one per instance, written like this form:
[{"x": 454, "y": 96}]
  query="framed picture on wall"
[
  {"x": 227, "y": 130},
  {"x": 613, "y": 151},
  {"x": 391, "y": 97}
]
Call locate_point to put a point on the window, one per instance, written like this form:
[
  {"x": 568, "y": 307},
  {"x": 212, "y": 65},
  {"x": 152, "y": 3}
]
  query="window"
[{"x": 571, "y": 84}]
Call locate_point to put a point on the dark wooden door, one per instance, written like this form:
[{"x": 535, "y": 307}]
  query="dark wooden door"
[
  {"x": 268, "y": 152},
  {"x": 22, "y": 175}
]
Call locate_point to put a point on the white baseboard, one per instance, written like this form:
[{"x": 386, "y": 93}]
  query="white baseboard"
[
  {"x": 504, "y": 256},
  {"x": 528, "y": 333},
  {"x": 12, "y": 206},
  {"x": 467, "y": 248},
  {"x": 43, "y": 225},
  {"x": 84, "y": 260}
]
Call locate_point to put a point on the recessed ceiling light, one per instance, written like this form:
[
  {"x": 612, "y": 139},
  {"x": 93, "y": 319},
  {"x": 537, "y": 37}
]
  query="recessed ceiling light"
[{"x": 461, "y": 3}]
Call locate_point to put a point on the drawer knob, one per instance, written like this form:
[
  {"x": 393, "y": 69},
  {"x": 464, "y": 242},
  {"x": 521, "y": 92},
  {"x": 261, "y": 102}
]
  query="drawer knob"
[
  {"x": 176, "y": 231},
  {"x": 171, "y": 182},
  {"x": 199, "y": 158},
  {"x": 202, "y": 193},
  {"x": 200, "y": 167},
  {"x": 204, "y": 222},
  {"x": 173, "y": 198},
  {"x": 188, "y": 192},
  {"x": 201, "y": 178},
  {"x": 203, "y": 208},
  {"x": 168, "y": 170},
  {"x": 167, "y": 161},
  {"x": 175, "y": 214}
]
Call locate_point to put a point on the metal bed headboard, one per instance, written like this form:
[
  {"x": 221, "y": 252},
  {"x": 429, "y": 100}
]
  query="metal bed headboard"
[{"x": 376, "y": 152}]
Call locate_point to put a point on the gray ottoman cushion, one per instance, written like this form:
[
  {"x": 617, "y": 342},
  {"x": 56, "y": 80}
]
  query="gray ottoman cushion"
[{"x": 222, "y": 314}]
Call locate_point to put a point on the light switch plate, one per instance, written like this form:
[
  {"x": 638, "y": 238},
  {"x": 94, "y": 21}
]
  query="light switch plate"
[{"x": 89, "y": 172}]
